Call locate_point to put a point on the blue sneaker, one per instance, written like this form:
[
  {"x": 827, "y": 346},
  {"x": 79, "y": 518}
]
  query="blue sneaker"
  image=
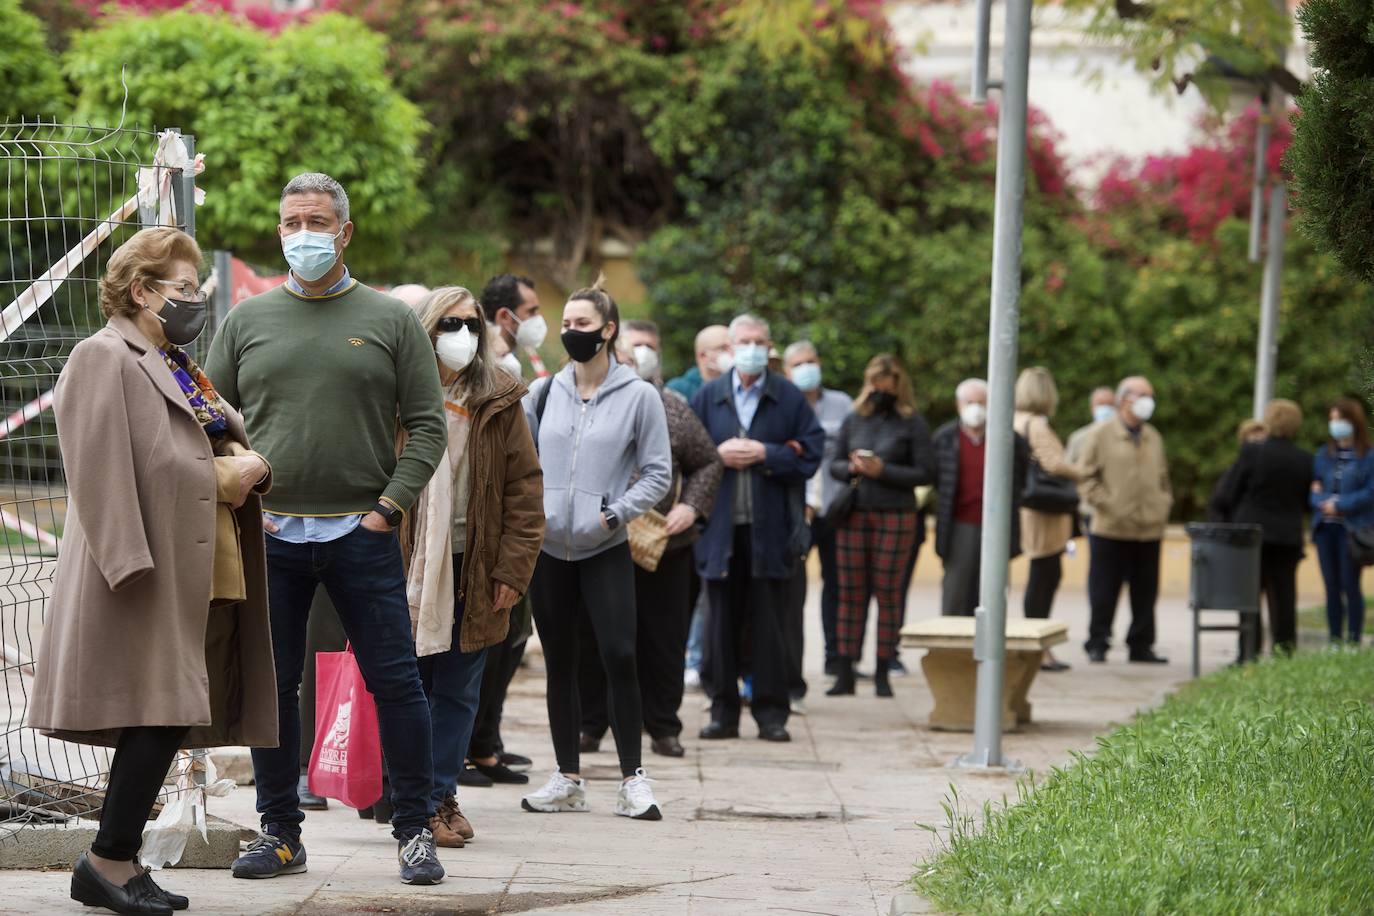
[
  {"x": 419, "y": 860},
  {"x": 270, "y": 856}
]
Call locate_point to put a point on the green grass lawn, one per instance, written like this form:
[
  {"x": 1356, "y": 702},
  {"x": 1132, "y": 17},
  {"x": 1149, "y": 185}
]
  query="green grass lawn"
[{"x": 1252, "y": 791}]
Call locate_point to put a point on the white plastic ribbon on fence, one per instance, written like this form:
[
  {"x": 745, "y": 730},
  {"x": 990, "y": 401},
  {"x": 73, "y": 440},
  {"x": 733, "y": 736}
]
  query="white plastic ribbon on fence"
[
  {"x": 164, "y": 840},
  {"x": 154, "y": 187}
]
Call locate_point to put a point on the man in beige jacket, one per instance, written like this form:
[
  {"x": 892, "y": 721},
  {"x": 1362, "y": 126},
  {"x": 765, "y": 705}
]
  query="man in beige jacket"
[{"x": 1127, "y": 488}]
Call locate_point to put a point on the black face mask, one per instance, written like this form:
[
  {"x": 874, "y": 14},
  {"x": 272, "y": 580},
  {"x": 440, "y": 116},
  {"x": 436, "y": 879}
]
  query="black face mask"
[
  {"x": 182, "y": 321},
  {"x": 882, "y": 401},
  {"x": 583, "y": 345}
]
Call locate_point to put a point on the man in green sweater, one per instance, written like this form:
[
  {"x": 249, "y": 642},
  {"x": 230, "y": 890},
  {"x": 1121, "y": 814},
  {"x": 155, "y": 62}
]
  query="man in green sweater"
[{"x": 322, "y": 367}]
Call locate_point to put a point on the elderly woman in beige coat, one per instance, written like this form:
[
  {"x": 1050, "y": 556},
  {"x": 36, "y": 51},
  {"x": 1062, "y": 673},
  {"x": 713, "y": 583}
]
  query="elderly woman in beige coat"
[
  {"x": 157, "y": 633},
  {"x": 1044, "y": 535}
]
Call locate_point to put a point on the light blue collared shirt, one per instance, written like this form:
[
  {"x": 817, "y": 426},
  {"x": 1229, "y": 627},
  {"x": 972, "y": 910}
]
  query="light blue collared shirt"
[
  {"x": 747, "y": 399},
  {"x": 313, "y": 529}
]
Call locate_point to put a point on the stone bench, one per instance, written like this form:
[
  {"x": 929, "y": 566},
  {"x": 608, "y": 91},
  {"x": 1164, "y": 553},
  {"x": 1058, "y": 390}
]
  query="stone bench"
[{"x": 952, "y": 672}]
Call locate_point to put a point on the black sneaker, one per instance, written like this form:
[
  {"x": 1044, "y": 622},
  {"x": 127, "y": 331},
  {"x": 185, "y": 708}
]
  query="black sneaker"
[
  {"x": 516, "y": 763},
  {"x": 419, "y": 860},
  {"x": 270, "y": 856},
  {"x": 499, "y": 772}
]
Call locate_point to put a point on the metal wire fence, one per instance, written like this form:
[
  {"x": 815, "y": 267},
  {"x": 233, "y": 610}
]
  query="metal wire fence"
[{"x": 69, "y": 195}]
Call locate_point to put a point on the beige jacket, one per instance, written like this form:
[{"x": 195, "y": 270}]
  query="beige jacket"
[
  {"x": 1127, "y": 483},
  {"x": 130, "y": 637},
  {"x": 1044, "y": 534}
]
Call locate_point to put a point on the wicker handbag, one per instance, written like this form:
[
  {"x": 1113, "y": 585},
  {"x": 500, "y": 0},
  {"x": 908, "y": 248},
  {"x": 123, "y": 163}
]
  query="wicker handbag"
[{"x": 648, "y": 539}]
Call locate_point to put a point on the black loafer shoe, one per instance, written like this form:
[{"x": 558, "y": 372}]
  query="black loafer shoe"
[
  {"x": 717, "y": 731},
  {"x": 1097, "y": 655},
  {"x": 473, "y": 779},
  {"x": 309, "y": 800},
  {"x": 774, "y": 733},
  {"x": 588, "y": 744},
  {"x": 137, "y": 896},
  {"x": 1148, "y": 657},
  {"x": 668, "y": 746},
  {"x": 515, "y": 762},
  {"x": 175, "y": 901},
  {"x": 499, "y": 772}
]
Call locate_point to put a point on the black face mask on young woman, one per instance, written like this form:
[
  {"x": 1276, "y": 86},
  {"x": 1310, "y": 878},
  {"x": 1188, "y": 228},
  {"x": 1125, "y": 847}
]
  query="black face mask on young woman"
[
  {"x": 582, "y": 346},
  {"x": 882, "y": 401}
]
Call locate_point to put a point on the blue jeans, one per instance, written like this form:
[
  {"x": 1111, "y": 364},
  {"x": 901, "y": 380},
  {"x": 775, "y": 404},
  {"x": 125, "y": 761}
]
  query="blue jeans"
[
  {"x": 453, "y": 682},
  {"x": 696, "y": 634},
  {"x": 362, "y": 573},
  {"x": 1344, "y": 597}
]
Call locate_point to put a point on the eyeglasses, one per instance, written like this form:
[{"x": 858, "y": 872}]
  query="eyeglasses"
[
  {"x": 452, "y": 323},
  {"x": 184, "y": 291}
]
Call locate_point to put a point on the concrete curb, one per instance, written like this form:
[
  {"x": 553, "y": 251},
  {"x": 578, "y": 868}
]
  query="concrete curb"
[{"x": 50, "y": 846}]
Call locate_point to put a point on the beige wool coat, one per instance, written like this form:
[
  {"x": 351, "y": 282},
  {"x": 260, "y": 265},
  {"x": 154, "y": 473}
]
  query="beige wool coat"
[
  {"x": 1127, "y": 483},
  {"x": 131, "y": 638},
  {"x": 1045, "y": 534}
]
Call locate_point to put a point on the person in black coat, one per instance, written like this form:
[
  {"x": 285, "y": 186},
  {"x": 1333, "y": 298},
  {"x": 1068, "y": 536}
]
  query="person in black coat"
[
  {"x": 883, "y": 451},
  {"x": 959, "y": 459},
  {"x": 1268, "y": 486}
]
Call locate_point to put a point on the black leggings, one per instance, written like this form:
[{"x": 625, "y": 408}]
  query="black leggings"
[
  {"x": 1043, "y": 582},
  {"x": 141, "y": 761},
  {"x": 603, "y": 588}
]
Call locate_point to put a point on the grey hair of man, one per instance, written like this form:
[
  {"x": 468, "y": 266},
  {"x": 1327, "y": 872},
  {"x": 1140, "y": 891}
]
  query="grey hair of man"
[
  {"x": 965, "y": 390},
  {"x": 748, "y": 320},
  {"x": 1128, "y": 385},
  {"x": 799, "y": 348},
  {"x": 320, "y": 183},
  {"x": 1100, "y": 391}
]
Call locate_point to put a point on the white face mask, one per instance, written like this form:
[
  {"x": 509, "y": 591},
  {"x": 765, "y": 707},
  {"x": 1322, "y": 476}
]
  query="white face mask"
[
  {"x": 1103, "y": 412},
  {"x": 646, "y": 361},
  {"x": 724, "y": 363},
  {"x": 1143, "y": 408},
  {"x": 751, "y": 358},
  {"x": 456, "y": 349},
  {"x": 973, "y": 416},
  {"x": 531, "y": 332},
  {"x": 511, "y": 363}
]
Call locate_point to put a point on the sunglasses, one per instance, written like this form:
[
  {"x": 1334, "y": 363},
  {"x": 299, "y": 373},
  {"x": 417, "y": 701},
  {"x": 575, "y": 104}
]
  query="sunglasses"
[{"x": 453, "y": 323}]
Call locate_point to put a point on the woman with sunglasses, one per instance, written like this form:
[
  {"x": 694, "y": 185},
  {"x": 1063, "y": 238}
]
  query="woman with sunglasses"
[{"x": 472, "y": 538}]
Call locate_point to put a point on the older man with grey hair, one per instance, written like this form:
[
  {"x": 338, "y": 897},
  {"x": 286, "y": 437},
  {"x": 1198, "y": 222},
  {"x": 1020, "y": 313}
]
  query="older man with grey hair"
[
  {"x": 770, "y": 442},
  {"x": 322, "y": 367},
  {"x": 960, "y": 453}
]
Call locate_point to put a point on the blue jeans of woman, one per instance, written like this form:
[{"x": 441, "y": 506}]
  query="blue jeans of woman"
[
  {"x": 1344, "y": 597},
  {"x": 453, "y": 686}
]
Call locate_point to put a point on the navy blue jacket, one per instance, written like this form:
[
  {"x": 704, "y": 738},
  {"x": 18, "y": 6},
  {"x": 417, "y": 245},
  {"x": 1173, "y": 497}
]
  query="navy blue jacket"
[{"x": 783, "y": 417}]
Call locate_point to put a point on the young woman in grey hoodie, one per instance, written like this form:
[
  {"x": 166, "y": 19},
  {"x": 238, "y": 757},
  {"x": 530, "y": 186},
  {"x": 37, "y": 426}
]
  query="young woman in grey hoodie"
[{"x": 597, "y": 424}]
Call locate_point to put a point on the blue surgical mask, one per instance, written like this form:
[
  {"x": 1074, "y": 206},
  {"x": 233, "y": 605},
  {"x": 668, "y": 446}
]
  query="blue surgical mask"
[
  {"x": 1341, "y": 429},
  {"x": 1103, "y": 412},
  {"x": 310, "y": 254},
  {"x": 751, "y": 359},
  {"x": 807, "y": 376}
]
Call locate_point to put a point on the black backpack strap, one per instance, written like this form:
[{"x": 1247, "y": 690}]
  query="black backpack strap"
[{"x": 542, "y": 400}]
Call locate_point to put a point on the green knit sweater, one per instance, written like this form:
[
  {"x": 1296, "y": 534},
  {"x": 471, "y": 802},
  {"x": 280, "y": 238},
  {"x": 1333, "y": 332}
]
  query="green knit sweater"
[{"x": 321, "y": 383}]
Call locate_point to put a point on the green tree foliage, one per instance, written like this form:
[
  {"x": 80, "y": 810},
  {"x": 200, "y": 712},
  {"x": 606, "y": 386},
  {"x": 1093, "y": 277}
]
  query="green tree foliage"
[
  {"x": 314, "y": 97},
  {"x": 1333, "y": 134},
  {"x": 29, "y": 71}
]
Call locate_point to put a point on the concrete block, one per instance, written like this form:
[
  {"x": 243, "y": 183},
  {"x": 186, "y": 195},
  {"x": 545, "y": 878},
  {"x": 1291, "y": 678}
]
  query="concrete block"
[
  {"x": 908, "y": 904},
  {"x": 57, "y": 846},
  {"x": 234, "y": 763}
]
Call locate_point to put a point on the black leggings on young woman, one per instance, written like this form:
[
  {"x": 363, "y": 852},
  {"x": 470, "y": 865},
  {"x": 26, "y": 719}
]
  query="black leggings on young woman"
[
  {"x": 603, "y": 588},
  {"x": 141, "y": 761}
]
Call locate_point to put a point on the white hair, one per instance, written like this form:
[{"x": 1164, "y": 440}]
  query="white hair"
[
  {"x": 965, "y": 389},
  {"x": 753, "y": 321},
  {"x": 319, "y": 183},
  {"x": 799, "y": 347}
]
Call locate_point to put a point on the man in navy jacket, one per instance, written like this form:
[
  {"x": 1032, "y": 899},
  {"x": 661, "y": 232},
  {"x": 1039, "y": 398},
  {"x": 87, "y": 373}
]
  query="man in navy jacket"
[{"x": 770, "y": 442}]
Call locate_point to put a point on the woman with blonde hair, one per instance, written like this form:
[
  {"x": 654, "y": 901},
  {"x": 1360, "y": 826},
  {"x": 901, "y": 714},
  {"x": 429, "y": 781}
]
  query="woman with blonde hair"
[
  {"x": 472, "y": 539},
  {"x": 883, "y": 452},
  {"x": 1044, "y": 535},
  {"x": 157, "y": 635}
]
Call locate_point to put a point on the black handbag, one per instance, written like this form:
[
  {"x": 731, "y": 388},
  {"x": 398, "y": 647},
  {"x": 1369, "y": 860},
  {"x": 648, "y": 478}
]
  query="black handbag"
[
  {"x": 1362, "y": 546},
  {"x": 1046, "y": 492},
  {"x": 842, "y": 505}
]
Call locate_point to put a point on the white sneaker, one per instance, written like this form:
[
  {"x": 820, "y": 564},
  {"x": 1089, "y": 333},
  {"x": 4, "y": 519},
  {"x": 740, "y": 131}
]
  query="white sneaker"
[
  {"x": 559, "y": 794},
  {"x": 798, "y": 707},
  {"x": 636, "y": 799},
  {"x": 691, "y": 680}
]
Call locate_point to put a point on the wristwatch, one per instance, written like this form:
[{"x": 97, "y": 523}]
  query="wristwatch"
[
  {"x": 612, "y": 522},
  {"x": 389, "y": 513}
]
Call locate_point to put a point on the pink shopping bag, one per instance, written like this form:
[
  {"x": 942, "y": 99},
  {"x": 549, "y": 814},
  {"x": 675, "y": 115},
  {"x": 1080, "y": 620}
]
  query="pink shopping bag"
[{"x": 346, "y": 761}]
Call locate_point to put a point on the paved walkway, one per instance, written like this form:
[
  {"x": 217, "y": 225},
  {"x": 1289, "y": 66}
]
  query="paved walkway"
[{"x": 830, "y": 823}]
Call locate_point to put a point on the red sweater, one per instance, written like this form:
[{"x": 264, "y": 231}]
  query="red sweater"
[{"x": 968, "y": 495}]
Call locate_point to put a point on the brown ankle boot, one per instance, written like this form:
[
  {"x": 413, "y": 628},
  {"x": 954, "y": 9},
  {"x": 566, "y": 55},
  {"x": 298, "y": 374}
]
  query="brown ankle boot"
[
  {"x": 452, "y": 815},
  {"x": 444, "y": 835}
]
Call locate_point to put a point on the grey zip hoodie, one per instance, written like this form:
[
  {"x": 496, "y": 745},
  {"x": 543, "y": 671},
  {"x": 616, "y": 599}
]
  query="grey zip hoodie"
[{"x": 589, "y": 452}]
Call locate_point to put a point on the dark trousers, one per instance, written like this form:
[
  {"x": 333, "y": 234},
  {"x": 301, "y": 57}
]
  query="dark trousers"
[
  {"x": 794, "y": 631},
  {"x": 738, "y": 602},
  {"x": 452, "y": 682},
  {"x": 1279, "y": 580},
  {"x": 601, "y": 588},
  {"x": 363, "y": 574},
  {"x": 963, "y": 565},
  {"x": 1115, "y": 563},
  {"x": 1341, "y": 575},
  {"x": 323, "y": 633},
  {"x": 823, "y": 536},
  {"x": 1041, "y": 585},
  {"x": 663, "y": 610},
  {"x": 142, "y": 758},
  {"x": 502, "y": 662}
]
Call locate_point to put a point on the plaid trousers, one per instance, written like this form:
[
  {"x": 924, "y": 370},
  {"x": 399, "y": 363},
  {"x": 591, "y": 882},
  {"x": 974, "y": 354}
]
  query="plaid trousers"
[{"x": 872, "y": 550}]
